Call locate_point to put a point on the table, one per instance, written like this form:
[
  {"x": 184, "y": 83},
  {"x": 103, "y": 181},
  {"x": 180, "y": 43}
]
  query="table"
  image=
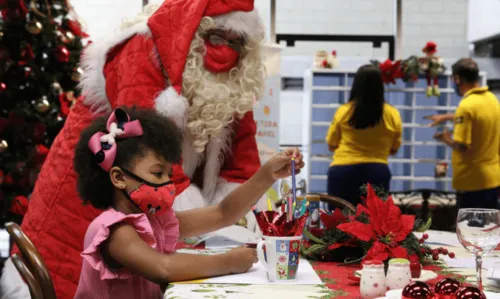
[{"x": 336, "y": 285}]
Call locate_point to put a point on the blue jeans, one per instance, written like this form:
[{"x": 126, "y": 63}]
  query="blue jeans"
[
  {"x": 482, "y": 199},
  {"x": 344, "y": 181}
]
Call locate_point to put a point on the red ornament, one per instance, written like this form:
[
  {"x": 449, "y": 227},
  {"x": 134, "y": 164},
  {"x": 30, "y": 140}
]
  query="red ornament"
[
  {"x": 41, "y": 153},
  {"x": 19, "y": 205},
  {"x": 416, "y": 269},
  {"x": 14, "y": 14},
  {"x": 27, "y": 55},
  {"x": 62, "y": 54},
  {"x": 39, "y": 132},
  {"x": 451, "y": 255},
  {"x": 8, "y": 180},
  {"x": 3, "y": 87},
  {"x": 76, "y": 28},
  {"x": 27, "y": 72},
  {"x": 470, "y": 293},
  {"x": 425, "y": 236},
  {"x": 418, "y": 290},
  {"x": 446, "y": 288}
]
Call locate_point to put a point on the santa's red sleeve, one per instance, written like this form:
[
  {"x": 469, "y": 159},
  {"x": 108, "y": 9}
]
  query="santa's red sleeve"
[{"x": 242, "y": 162}]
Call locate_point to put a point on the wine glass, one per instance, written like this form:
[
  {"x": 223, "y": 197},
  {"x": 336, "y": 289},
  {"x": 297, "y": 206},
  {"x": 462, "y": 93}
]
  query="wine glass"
[{"x": 479, "y": 232}]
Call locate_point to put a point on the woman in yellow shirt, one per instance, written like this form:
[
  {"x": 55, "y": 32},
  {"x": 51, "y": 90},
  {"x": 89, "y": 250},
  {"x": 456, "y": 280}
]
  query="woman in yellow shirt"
[{"x": 363, "y": 133}]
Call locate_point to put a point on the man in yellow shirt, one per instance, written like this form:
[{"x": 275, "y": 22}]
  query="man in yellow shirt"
[{"x": 475, "y": 141}]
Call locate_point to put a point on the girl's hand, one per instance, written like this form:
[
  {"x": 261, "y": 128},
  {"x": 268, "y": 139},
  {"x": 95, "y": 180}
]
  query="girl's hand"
[
  {"x": 280, "y": 165},
  {"x": 241, "y": 259}
]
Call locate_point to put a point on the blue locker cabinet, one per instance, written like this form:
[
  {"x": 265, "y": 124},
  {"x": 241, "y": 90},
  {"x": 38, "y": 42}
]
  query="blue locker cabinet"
[{"x": 413, "y": 166}]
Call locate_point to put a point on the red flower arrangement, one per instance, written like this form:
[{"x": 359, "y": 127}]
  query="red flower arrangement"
[
  {"x": 409, "y": 69},
  {"x": 377, "y": 231},
  {"x": 391, "y": 71}
]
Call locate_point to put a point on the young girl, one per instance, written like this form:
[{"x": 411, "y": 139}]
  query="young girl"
[{"x": 123, "y": 164}]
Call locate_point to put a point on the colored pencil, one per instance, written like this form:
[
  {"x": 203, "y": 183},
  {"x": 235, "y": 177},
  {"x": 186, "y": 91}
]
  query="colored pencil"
[{"x": 294, "y": 187}]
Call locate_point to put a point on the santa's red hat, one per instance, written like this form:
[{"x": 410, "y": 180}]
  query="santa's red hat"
[
  {"x": 430, "y": 48},
  {"x": 175, "y": 23}
]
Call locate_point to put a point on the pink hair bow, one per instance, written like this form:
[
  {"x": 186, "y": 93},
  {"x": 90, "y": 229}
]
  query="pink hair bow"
[{"x": 118, "y": 126}]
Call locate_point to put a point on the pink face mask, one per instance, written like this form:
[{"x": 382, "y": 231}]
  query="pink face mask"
[
  {"x": 152, "y": 199},
  {"x": 220, "y": 58}
]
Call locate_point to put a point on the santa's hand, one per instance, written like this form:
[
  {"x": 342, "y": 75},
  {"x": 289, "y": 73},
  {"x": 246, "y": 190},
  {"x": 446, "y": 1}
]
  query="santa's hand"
[{"x": 280, "y": 165}]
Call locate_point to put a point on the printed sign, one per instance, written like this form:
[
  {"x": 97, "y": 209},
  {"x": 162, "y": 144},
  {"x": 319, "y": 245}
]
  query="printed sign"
[{"x": 266, "y": 111}]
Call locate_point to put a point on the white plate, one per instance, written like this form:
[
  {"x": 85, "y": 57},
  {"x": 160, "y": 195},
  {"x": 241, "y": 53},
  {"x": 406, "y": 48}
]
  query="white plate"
[
  {"x": 396, "y": 294},
  {"x": 425, "y": 275}
]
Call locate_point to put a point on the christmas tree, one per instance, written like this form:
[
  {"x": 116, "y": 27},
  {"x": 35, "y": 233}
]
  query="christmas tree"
[{"x": 40, "y": 46}]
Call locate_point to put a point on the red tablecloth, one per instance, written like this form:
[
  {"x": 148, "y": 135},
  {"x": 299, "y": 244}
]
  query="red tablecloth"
[{"x": 335, "y": 276}]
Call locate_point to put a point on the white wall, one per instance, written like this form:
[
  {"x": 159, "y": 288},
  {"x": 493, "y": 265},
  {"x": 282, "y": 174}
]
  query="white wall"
[
  {"x": 444, "y": 21},
  {"x": 101, "y": 17},
  {"x": 484, "y": 19}
]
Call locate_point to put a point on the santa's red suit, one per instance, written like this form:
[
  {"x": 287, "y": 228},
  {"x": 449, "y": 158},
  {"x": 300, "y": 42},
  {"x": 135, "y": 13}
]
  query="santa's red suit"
[{"x": 143, "y": 65}]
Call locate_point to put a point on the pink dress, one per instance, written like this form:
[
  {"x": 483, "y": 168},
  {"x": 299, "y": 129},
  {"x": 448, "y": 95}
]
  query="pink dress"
[{"x": 98, "y": 281}]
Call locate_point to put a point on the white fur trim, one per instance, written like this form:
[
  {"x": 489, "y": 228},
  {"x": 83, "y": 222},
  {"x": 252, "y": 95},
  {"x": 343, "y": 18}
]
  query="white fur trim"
[
  {"x": 189, "y": 199},
  {"x": 12, "y": 285},
  {"x": 222, "y": 191},
  {"x": 93, "y": 83},
  {"x": 191, "y": 159},
  {"x": 172, "y": 105},
  {"x": 248, "y": 23},
  {"x": 217, "y": 148}
]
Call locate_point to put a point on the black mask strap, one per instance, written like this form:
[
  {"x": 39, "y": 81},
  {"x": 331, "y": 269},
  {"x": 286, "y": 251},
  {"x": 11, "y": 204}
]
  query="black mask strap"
[{"x": 141, "y": 180}]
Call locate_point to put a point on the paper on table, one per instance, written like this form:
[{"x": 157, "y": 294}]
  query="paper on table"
[
  {"x": 441, "y": 238},
  {"x": 230, "y": 236},
  {"x": 469, "y": 262},
  {"x": 257, "y": 275}
]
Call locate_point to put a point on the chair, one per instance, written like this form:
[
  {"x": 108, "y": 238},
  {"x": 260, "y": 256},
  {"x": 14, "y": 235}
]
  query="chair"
[
  {"x": 34, "y": 261},
  {"x": 335, "y": 202},
  {"x": 33, "y": 285}
]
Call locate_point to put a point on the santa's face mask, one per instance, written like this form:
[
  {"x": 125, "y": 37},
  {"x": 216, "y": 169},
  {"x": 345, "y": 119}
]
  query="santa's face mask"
[{"x": 220, "y": 56}]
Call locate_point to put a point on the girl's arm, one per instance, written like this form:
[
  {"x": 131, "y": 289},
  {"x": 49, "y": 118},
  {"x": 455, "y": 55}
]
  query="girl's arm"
[
  {"x": 126, "y": 248},
  {"x": 203, "y": 220}
]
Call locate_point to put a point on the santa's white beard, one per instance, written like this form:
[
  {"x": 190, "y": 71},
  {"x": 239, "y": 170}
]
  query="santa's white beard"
[{"x": 216, "y": 99}]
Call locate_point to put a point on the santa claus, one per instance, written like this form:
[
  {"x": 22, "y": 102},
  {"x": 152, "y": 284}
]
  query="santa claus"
[{"x": 195, "y": 61}]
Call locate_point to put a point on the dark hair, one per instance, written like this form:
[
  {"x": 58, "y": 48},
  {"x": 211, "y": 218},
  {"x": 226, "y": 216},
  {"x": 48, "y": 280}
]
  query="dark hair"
[
  {"x": 160, "y": 136},
  {"x": 367, "y": 92},
  {"x": 466, "y": 69}
]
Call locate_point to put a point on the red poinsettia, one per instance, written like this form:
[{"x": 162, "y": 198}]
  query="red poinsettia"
[
  {"x": 332, "y": 221},
  {"x": 391, "y": 71},
  {"x": 387, "y": 227}
]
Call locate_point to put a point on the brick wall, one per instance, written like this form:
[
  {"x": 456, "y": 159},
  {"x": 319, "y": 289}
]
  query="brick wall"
[{"x": 444, "y": 21}]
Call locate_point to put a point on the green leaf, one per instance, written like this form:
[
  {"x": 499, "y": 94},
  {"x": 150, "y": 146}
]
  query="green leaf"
[
  {"x": 203, "y": 290},
  {"x": 425, "y": 226},
  {"x": 313, "y": 238},
  {"x": 314, "y": 248}
]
